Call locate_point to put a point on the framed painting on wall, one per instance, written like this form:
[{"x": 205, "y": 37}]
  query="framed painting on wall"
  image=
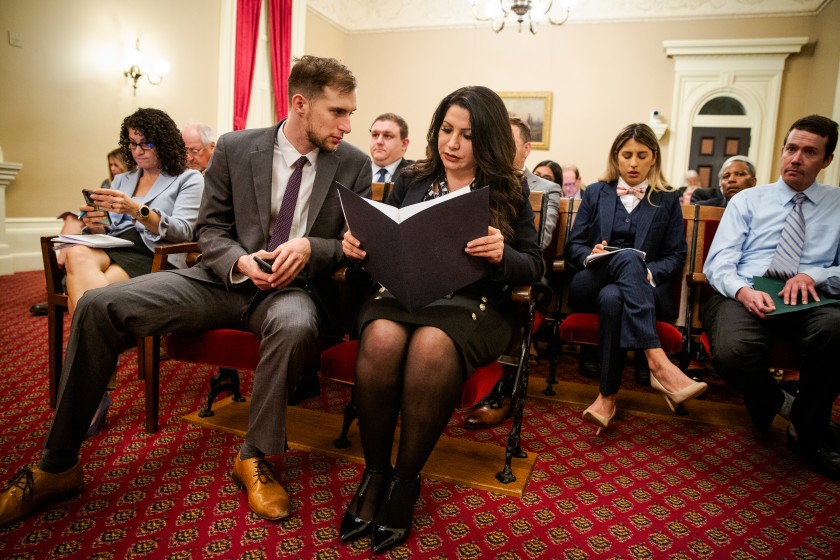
[{"x": 533, "y": 107}]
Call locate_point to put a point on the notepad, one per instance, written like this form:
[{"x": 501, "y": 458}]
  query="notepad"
[
  {"x": 592, "y": 259},
  {"x": 98, "y": 240}
]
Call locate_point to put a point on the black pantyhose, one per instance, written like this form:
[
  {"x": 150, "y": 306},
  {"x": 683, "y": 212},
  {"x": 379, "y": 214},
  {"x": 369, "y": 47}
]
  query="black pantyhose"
[{"x": 413, "y": 373}]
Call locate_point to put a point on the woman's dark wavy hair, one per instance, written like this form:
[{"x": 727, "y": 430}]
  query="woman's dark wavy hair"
[
  {"x": 556, "y": 170},
  {"x": 493, "y": 150},
  {"x": 158, "y": 128}
]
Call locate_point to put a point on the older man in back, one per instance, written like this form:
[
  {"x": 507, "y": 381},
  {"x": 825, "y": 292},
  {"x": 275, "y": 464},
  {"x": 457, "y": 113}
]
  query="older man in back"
[{"x": 200, "y": 143}]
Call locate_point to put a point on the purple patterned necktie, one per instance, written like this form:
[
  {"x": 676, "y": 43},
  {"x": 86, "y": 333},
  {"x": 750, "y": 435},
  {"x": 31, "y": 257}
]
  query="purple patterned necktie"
[{"x": 283, "y": 221}]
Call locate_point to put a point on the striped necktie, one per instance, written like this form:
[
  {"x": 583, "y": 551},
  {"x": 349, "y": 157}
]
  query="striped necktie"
[{"x": 785, "y": 261}]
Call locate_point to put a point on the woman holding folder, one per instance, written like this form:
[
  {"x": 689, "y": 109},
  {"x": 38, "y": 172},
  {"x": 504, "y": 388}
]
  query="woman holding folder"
[
  {"x": 632, "y": 207},
  {"x": 411, "y": 365}
]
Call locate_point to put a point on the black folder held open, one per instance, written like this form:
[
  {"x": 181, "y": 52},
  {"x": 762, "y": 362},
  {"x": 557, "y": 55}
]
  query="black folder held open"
[{"x": 417, "y": 252}]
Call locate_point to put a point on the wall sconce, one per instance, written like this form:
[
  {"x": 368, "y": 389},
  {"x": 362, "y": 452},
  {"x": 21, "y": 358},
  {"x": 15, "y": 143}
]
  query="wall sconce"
[{"x": 134, "y": 60}]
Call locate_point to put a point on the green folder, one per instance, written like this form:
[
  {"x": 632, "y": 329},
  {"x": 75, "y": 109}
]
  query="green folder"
[{"x": 773, "y": 286}]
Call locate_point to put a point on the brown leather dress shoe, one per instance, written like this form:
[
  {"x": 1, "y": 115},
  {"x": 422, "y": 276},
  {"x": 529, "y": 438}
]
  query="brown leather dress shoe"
[
  {"x": 31, "y": 488},
  {"x": 488, "y": 416},
  {"x": 266, "y": 497}
]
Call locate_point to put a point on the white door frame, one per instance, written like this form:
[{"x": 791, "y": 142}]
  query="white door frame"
[{"x": 749, "y": 70}]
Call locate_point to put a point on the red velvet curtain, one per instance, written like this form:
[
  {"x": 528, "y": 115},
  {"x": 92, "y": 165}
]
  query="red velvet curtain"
[
  {"x": 280, "y": 12},
  {"x": 247, "y": 32}
]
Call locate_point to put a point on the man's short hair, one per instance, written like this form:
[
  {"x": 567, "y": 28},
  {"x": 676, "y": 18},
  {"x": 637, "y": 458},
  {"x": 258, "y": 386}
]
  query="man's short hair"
[
  {"x": 524, "y": 129},
  {"x": 571, "y": 167},
  {"x": 310, "y": 75},
  {"x": 744, "y": 159},
  {"x": 393, "y": 117},
  {"x": 819, "y": 125}
]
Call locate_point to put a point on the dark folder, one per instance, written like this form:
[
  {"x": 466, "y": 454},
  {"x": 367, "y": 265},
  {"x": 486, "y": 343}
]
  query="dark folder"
[{"x": 417, "y": 252}]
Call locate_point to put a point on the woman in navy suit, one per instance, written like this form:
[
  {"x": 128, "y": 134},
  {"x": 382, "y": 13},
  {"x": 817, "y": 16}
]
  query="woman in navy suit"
[
  {"x": 632, "y": 208},
  {"x": 412, "y": 364}
]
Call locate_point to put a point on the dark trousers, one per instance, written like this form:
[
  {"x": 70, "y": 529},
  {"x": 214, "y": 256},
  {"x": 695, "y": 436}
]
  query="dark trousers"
[
  {"x": 112, "y": 318},
  {"x": 741, "y": 344},
  {"x": 617, "y": 289}
]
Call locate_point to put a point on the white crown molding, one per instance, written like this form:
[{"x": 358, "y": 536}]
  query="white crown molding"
[
  {"x": 734, "y": 47},
  {"x": 364, "y": 16}
]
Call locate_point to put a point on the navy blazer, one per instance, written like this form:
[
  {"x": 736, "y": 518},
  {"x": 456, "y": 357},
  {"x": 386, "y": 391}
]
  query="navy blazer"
[
  {"x": 522, "y": 260},
  {"x": 660, "y": 233}
]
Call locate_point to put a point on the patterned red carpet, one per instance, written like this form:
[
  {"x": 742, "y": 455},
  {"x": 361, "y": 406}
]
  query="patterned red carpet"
[{"x": 648, "y": 487}]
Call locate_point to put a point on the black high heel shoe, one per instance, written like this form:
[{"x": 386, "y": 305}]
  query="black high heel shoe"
[
  {"x": 393, "y": 522},
  {"x": 354, "y": 527}
]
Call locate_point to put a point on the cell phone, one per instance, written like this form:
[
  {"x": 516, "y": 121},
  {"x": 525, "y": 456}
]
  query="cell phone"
[
  {"x": 611, "y": 248},
  {"x": 106, "y": 220},
  {"x": 265, "y": 266}
]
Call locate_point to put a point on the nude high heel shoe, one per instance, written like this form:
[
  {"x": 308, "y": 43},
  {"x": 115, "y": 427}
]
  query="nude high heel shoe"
[
  {"x": 688, "y": 392},
  {"x": 598, "y": 419}
]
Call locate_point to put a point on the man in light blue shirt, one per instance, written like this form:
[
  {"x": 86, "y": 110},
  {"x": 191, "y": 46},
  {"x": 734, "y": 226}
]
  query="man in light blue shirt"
[{"x": 736, "y": 318}]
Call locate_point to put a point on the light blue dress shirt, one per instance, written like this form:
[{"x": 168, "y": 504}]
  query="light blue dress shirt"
[{"x": 749, "y": 231}]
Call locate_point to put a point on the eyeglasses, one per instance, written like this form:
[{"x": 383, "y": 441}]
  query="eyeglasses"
[
  {"x": 143, "y": 146},
  {"x": 726, "y": 176},
  {"x": 195, "y": 151}
]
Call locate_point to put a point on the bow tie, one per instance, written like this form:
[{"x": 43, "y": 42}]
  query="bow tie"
[{"x": 638, "y": 192}]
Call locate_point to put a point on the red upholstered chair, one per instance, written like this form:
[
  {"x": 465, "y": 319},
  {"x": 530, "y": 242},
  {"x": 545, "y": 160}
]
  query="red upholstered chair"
[{"x": 338, "y": 363}]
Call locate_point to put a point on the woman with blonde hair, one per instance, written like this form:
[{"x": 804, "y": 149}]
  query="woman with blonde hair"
[{"x": 632, "y": 207}]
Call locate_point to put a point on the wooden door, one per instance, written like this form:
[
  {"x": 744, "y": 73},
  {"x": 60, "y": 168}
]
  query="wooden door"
[{"x": 710, "y": 147}]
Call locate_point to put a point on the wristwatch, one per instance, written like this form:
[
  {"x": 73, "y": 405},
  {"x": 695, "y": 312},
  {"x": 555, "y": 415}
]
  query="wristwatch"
[{"x": 142, "y": 213}]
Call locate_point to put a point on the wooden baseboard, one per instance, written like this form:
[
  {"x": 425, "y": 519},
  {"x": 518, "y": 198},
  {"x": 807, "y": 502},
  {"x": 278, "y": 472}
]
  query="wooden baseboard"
[{"x": 454, "y": 460}]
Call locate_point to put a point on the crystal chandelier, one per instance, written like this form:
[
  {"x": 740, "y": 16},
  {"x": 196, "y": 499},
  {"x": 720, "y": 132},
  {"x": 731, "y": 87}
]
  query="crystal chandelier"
[{"x": 532, "y": 11}]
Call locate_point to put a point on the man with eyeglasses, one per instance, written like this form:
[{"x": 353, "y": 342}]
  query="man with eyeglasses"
[
  {"x": 388, "y": 142},
  {"x": 200, "y": 143},
  {"x": 736, "y": 174}
]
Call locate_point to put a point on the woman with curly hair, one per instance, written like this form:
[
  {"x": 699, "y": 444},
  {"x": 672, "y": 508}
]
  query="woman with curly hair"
[
  {"x": 412, "y": 365},
  {"x": 154, "y": 203}
]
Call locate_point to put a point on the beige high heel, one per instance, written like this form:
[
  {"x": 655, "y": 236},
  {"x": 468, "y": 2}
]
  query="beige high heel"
[
  {"x": 598, "y": 419},
  {"x": 676, "y": 398}
]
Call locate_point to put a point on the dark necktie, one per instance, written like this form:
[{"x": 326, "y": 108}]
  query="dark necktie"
[
  {"x": 785, "y": 261},
  {"x": 382, "y": 173},
  {"x": 283, "y": 221}
]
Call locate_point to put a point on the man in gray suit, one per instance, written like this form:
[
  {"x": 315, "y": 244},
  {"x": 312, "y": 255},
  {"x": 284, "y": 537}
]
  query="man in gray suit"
[{"x": 253, "y": 177}]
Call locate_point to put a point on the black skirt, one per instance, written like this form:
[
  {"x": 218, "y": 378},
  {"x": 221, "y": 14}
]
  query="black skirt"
[
  {"x": 135, "y": 260},
  {"x": 481, "y": 331}
]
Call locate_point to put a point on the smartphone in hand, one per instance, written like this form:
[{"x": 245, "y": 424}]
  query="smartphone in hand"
[
  {"x": 106, "y": 220},
  {"x": 265, "y": 266}
]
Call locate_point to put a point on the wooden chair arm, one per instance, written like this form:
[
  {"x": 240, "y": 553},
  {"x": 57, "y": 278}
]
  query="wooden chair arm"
[
  {"x": 559, "y": 265},
  {"x": 527, "y": 293},
  {"x": 695, "y": 278},
  {"x": 162, "y": 252}
]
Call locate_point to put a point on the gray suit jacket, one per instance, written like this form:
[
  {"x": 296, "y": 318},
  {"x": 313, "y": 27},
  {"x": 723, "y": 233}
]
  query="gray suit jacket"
[
  {"x": 552, "y": 190},
  {"x": 235, "y": 217}
]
